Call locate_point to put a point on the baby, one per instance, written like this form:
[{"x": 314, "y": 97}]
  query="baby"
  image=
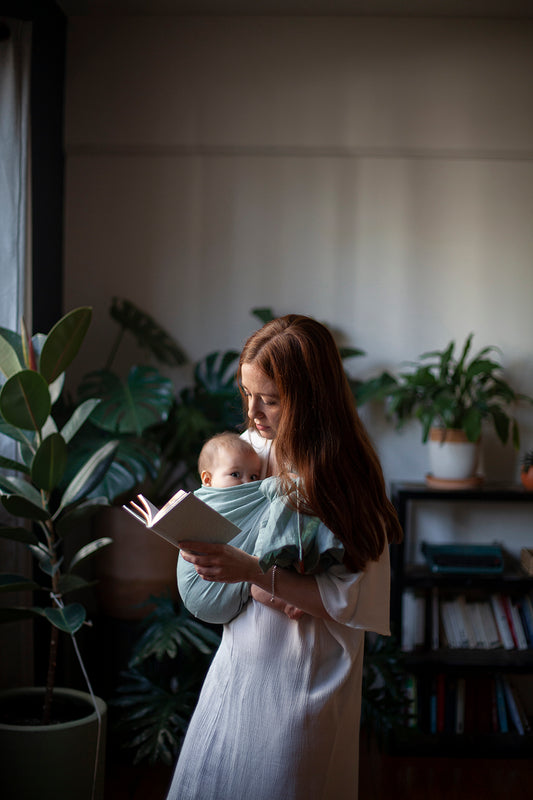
[{"x": 228, "y": 460}]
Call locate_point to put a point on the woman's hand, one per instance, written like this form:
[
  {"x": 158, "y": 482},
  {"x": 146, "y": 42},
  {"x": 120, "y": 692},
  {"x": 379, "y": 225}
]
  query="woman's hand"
[
  {"x": 224, "y": 563},
  {"x": 220, "y": 562}
]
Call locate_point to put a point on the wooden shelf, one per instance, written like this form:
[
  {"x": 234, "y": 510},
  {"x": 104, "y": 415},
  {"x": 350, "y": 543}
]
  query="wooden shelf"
[{"x": 472, "y": 664}]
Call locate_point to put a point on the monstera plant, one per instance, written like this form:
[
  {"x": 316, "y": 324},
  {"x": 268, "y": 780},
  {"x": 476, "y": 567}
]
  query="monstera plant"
[
  {"x": 130, "y": 405},
  {"x": 42, "y": 510}
]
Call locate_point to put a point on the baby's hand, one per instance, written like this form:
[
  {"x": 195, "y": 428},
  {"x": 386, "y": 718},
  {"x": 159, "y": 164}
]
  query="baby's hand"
[
  {"x": 292, "y": 612},
  {"x": 280, "y": 605}
]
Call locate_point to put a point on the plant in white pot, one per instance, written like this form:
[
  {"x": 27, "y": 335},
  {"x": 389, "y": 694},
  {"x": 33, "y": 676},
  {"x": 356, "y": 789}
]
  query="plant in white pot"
[
  {"x": 43, "y": 511},
  {"x": 452, "y": 397}
]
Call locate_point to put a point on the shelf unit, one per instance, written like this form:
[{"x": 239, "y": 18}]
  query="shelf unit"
[{"x": 473, "y": 665}]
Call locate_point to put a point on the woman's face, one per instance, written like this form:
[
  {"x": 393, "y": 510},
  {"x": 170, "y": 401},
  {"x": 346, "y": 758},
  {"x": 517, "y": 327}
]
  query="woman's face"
[{"x": 264, "y": 408}]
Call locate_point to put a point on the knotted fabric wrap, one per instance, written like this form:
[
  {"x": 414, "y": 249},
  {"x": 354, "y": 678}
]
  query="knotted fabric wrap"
[{"x": 270, "y": 530}]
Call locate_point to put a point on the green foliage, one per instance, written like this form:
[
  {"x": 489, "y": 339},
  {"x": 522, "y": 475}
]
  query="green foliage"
[
  {"x": 527, "y": 461},
  {"x": 159, "y": 690},
  {"x": 384, "y": 701},
  {"x": 129, "y": 407},
  {"x": 211, "y": 405},
  {"x": 452, "y": 392},
  {"x": 42, "y": 496}
]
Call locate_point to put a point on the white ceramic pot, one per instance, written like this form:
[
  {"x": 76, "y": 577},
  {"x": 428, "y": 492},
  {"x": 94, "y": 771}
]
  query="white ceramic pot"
[{"x": 451, "y": 456}]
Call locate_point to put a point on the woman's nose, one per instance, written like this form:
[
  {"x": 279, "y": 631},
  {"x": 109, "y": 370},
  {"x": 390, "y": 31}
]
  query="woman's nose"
[{"x": 253, "y": 409}]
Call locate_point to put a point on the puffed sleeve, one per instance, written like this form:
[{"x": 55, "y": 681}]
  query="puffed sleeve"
[
  {"x": 217, "y": 603},
  {"x": 359, "y": 600}
]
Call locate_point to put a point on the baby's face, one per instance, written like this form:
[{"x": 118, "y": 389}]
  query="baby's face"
[{"x": 233, "y": 468}]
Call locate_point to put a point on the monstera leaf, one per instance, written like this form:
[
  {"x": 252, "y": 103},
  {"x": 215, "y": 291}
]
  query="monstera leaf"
[{"x": 129, "y": 406}]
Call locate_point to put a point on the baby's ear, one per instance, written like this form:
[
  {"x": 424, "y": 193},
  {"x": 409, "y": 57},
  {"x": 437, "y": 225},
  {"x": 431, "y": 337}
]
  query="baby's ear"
[{"x": 205, "y": 477}]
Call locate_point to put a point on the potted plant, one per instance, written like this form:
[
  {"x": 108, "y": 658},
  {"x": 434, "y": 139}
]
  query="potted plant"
[
  {"x": 526, "y": 471},
  {"x": 40, "y": 752},
  {"x": 452, "y": 397}
]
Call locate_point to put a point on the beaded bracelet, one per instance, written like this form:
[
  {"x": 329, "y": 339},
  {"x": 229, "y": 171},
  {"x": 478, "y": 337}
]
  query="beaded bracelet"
[{"x": 273, "y": 593}]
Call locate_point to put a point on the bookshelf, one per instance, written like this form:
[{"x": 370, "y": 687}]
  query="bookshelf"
[{"x": 458, "y": 688}]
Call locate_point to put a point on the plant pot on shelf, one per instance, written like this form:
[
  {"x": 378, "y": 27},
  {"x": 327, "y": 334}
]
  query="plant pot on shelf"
[
  {"x": 60, "y": 761},
  {"x": 526, "y": 476},
  {"x": 138, "y": 563},
  {"x": 453, "y": 460}
]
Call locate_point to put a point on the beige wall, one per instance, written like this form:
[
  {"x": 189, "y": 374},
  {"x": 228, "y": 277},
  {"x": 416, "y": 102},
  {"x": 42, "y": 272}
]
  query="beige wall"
[{"x": 377, "y": 174}]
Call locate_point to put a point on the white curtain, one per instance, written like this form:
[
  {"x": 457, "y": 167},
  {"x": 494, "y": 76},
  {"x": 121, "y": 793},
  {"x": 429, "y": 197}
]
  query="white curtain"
[
  {"x": 16, "y": 640},
  {"x": 15, "y": 59}
]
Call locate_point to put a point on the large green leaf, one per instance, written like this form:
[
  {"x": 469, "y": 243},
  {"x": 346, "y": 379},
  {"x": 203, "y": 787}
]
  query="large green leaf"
[
  {"x": 71, "y": 517},
  {"x": 89, "y": 475},
  {"x": 24, "y": 535},
  {"x": 68, "y": 619},
  {"x": 24, "y": 437},
  {"x": 216, "y": 372},
  {"x": 90, "y": 550},
  {"x": 78, "y": 418},
  {"x": 73, "y": 583},
  {"x": 25, "y": 400},
  {"x": 264, "y": 315},
  {"x": 63, "y": 343},
  {"x": 148, "y": 333},
  {"x": 130, "y": 406},
  {"x": 49, "y": 462},
  {"x": 20, "y": 486},
  {"x": 16, "y": 583},
  {"x": 17, "y": 614},
  {"x": 21, "y": 507},
  {"x": 10, "y": 363},
  {"x": 17, "y": 466}
]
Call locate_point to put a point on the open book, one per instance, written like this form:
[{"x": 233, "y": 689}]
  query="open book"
[{"x": 183, "y": 518}]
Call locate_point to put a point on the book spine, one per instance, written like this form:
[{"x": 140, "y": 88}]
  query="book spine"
[
  {"x": 447, "y": 624},
  {"x": 501, "y": 622},
  {"x": 435, "y": 626},
  {"x": 489, "y": 625},
  {"x": 500, "y": 704},
  {"x": 460, "y": 706},
  {"x": 527, "y": 612},
  {"x": 459, "y": 622},
  {"x": 513, "y": 707},
  {"x": 518, "y": 627}
]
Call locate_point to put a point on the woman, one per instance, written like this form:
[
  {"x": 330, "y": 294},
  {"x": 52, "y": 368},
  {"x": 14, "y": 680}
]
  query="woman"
[{"x": 278, "y": 716}]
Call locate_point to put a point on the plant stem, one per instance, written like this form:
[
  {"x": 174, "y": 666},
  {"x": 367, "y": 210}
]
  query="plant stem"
[
  {"x": 54, "y": 633},
  {"x": 114, "y": 349},
  {"x": 50, "y": 677}
]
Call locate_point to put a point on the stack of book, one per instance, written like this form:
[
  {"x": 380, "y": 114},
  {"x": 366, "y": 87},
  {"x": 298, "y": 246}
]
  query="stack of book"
[
  {"x": 448, "y": 704},
  {"x": 498, "y": 621}
]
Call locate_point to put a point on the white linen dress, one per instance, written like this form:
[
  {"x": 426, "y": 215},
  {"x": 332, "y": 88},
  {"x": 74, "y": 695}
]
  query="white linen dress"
[{"x": 278, "y": 716}]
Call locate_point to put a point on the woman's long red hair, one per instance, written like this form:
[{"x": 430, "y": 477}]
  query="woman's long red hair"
[{"x": 321, "y": 438}]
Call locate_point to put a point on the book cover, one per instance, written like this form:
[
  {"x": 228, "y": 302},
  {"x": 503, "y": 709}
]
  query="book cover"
[{"x": 184, "y": 518}]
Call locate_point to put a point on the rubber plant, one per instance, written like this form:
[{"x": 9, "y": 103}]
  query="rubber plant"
[{"x": 31, "y": 484}]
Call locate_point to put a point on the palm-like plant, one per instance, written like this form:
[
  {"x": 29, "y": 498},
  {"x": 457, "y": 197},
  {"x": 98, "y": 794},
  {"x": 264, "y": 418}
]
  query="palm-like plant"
[
  {"x": 32, "y": 485},
  {"x": 159, "y": 690},
  {"x": 452, "y": 392}
]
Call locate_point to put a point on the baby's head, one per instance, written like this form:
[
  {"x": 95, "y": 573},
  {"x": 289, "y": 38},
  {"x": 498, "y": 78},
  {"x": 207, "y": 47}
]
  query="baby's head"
[{"x": 228, "y": 460}]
